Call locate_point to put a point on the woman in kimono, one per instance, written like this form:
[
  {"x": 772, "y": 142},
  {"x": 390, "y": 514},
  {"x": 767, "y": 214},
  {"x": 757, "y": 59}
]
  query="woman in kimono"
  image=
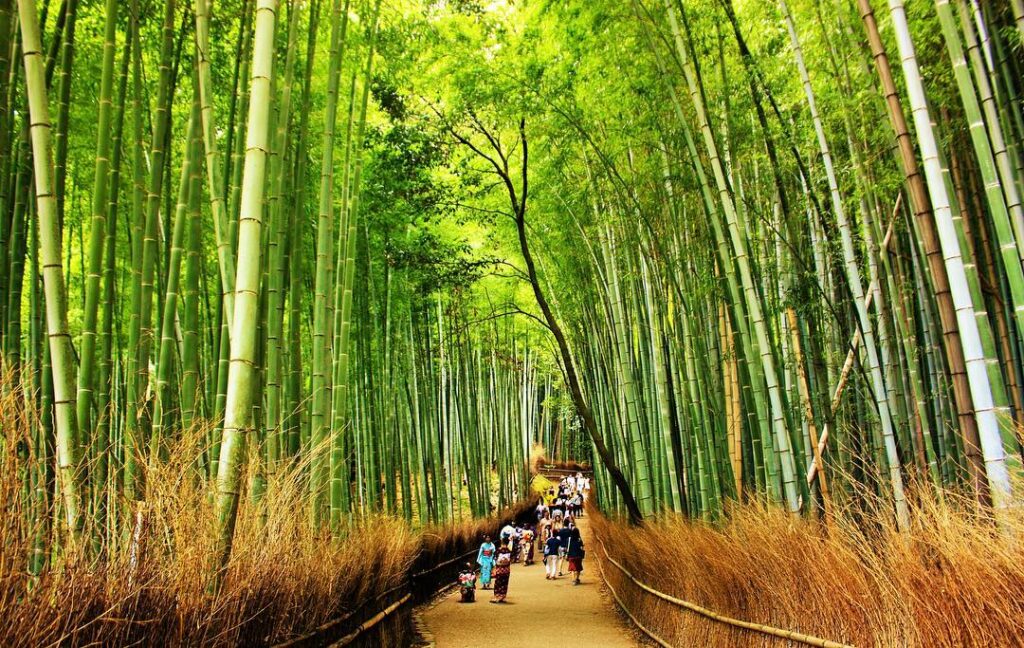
[
  {"x": 528, "y": 538},
  {"x": 502, "y": 570},
  {"x": 485, "y": 558}
]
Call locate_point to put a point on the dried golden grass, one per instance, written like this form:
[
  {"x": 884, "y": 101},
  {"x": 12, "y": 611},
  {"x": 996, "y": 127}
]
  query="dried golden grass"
[
  {"x": 542, "y": 463},
  {"x": 951, "y": 580},
  {"x": 283, "y": 580}
]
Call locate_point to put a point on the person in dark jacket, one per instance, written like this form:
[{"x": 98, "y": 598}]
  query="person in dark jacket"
[
  {"x": 551, "y": 549},
  {"x": 575, "y": 552},
  {"x": 563, "y": 540}
]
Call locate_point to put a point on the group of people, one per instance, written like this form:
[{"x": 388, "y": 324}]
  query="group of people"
[
  {"x": 562, "y": 548},
  {"x": 556, "y": 531},
  {"x": 567, "y": 500}
]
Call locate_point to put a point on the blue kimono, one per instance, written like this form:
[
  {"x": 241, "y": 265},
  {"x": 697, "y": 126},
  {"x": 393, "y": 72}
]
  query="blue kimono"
[{"x": 485, "y": 558}]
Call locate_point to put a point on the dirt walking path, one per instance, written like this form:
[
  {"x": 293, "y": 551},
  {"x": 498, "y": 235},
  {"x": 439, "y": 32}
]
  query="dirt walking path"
[{"x": 538, "y": 612}]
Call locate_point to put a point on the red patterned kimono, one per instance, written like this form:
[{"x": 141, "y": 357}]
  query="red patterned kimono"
[{"x": 502, "y": 570}]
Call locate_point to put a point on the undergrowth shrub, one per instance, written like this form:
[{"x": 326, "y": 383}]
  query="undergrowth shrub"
[
  {"x": 150, "y": 585},
  {"x": 951, "y": 580}
]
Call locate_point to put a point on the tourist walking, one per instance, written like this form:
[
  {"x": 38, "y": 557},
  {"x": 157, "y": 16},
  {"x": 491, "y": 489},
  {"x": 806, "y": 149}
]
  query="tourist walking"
[
  {"x": 574, "y": 553},
  {"x": 558, "y": 508},
  {"x": 528, "y": 539},
  {"x": 563, "y": 542},
  {"x": 502, "y": 571},
  {"x": 485, "y": 558},
  {"x": 551, "y": 549},
  {"x": 576, "y": 504},
  {"x": 544, "y": 527},
  {"x": 506, "y": 534}
]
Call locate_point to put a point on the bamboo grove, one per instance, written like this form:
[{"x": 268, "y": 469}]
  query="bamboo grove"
[
  {"x": 189, "y": 253},
  {"x": 723, "y": 250},
  {"x": 794, "y": 248},
  {"x": 784, "y": 239}
]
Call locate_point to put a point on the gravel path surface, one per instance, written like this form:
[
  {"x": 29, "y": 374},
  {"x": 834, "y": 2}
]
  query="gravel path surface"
[{"x": 538, "y": 612}]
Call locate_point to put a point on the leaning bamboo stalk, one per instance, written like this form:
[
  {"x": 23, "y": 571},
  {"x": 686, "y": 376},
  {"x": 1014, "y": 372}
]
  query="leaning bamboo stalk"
[
  {"x": 805, "y": 401},
  {"x": 168, "y": 339},
  {"x": 320, "y": 379},
  {"x": 741, "y": 254},
  {"x": 274, "y": 309},
  {"x": 853, "y": 281},
  {"x": 844, "y": 374}
]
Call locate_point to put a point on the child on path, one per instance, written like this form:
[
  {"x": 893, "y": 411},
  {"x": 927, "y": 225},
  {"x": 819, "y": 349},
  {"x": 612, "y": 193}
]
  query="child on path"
[
  {"x": 528, "y": 537},
  {"x": 467, "y": 583}
]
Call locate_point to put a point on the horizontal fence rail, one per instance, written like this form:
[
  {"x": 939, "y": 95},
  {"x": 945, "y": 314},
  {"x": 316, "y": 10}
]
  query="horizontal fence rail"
[
  {"x": 372, "y": 621},
  {"x": 411, "y": 589},
  {"x": 790, "y": 635},
  {"x": 324, "y": 634}
]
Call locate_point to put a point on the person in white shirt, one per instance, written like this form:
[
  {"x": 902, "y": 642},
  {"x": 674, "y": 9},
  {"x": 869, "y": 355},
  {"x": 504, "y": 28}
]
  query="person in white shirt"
[{"x": 506, "y": 534}]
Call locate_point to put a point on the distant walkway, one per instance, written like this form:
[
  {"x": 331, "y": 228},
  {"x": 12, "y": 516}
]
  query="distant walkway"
[{"x": 538, "y": 612}]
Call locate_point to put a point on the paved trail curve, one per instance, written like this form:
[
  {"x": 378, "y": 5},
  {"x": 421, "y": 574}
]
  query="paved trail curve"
[{"x": 538, "y": 612}]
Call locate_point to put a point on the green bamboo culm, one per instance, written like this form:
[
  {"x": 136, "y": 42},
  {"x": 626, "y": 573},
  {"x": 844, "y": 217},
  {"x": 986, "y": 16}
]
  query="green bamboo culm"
[
  {"x": 97, "y": 229},
  {"x": 238, "y": 415},
  {"x": 974, "y": 355},
  {"x": 59, "y": 339},
  {"x": 320, "y": 385}
]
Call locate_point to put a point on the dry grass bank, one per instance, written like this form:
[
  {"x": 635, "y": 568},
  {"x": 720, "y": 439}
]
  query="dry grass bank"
[
  {"x": 283, "y": 579},
  {"x": 950, "y": 581},
  {"x": 542, "y": 463}
]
